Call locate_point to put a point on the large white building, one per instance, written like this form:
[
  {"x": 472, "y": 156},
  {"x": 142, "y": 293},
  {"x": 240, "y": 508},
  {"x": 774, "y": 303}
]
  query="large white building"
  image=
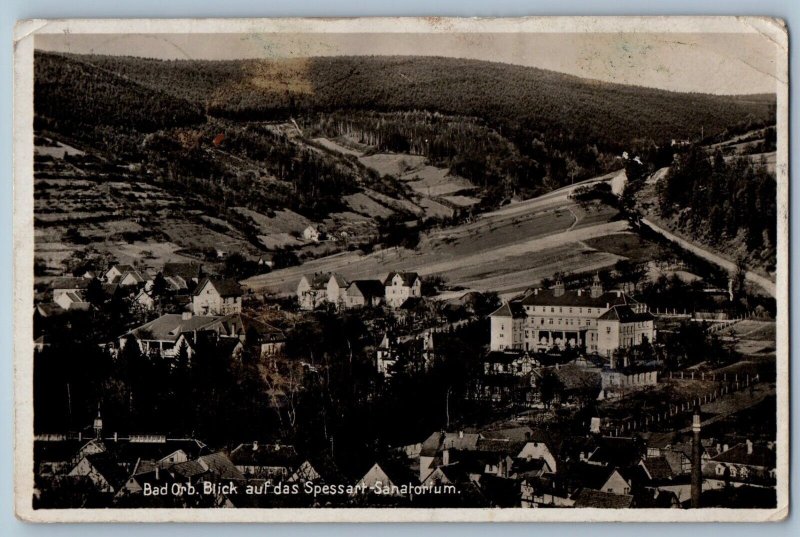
[{"x": 601, "y": 321}]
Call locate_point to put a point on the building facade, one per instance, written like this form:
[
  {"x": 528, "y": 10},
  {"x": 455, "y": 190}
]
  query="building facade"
[{"x": 594, "y": 319}]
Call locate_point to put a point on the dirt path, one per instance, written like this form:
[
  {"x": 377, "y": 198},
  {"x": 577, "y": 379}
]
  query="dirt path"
[{"x": 765, "y": 283}]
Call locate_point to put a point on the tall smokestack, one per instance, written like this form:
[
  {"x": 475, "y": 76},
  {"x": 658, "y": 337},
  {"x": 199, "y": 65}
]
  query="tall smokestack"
[{"x": 697, "y": 478}]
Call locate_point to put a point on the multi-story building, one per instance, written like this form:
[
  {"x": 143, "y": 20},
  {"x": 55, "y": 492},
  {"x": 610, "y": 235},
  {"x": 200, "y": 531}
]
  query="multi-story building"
[
  {"x": 400, "y": 286},
  {"x": 599, "y": 321}
]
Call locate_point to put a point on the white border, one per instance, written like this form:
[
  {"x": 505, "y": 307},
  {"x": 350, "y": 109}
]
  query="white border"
[{"x": 772, "y": 29}]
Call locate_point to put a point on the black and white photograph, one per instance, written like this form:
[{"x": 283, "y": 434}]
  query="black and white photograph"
[{"x": 402, "y": 269}]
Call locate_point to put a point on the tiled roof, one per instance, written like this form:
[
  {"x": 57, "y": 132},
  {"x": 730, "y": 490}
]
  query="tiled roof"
[
  {"x": 220, "y": 466},
  {"x": 225, "y": 288},
  {"x": 509, "y": 309},
  {"x": 108, "y": 466},
  {"x": 367, "y": 288},
  {"x": 658, "y": 468}
]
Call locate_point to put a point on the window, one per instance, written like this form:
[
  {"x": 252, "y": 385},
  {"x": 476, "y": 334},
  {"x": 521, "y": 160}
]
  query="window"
[{"x": 608, "y": 329}]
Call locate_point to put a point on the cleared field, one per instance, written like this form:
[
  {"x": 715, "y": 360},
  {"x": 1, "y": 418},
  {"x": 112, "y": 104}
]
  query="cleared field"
[
  {"x": 629, "y": 245},
  {"x": 750, "y": 329},
  {"x": 282, "y": 221},
  {"x": 504, "y": 251},
  {"x": 363, "y": 204},
  {"x": 392, "y": 164}
]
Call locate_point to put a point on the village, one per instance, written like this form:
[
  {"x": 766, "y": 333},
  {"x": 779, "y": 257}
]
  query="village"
[{"x": 581, "y": 404}]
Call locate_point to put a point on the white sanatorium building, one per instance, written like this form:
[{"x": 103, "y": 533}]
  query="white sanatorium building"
[{"x": 546, "y": 318}]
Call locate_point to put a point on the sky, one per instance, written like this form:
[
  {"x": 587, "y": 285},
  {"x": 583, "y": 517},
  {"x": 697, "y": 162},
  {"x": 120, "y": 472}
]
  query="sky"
[{"x": 729, "y": 63}]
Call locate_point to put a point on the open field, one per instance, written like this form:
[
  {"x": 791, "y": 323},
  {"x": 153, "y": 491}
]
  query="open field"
[{"x": 504, "y": 251}]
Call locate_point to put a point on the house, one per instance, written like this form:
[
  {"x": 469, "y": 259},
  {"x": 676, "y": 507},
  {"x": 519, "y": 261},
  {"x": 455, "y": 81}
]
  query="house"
[
  {"x": 594, "y": 319},
  {"x": 114, "y": 273},
  {"x": 265, "y": 461},
  {"x": 321, "y": 288},
  {"x": 400, "y": 286},
  {"x": 745, "y": 463},
  {"x": 217, "y": 297},
  {"x": 167, "y": 334},
  {"x": 433, "y": 449},
  {"x": 305, "y": 473},
  {"x": 416, "y": 354},
  {"x": 145, "y": 300},
  {"x": 390, "y": 478},
  {"x": 362, "y": 293},
  {"x": 537, "y": 449},
  {"x": 61, "y": 286},
  {"x": 103, "y": 470},
  {"x": 133, "y": 278},
  {"x": 310, "y": 233},
  {"x": 71, "y": 300}
]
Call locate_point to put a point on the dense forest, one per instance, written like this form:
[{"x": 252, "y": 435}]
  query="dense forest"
[
  {"x": 723, "y": 202},
  {"x": 511, "y": 130}
]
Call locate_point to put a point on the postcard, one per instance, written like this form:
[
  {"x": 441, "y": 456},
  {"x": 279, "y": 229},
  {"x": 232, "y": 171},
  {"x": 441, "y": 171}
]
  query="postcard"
[{"x": 401, "y": 269}]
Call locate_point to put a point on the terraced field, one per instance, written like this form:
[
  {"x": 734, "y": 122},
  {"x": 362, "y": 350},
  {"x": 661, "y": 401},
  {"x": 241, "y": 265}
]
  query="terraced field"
[{"x": 505, "y": 251}]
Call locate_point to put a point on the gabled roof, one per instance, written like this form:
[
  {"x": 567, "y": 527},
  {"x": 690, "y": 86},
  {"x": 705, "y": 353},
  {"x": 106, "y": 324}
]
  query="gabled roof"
[
  {"x": 121, "y": 268},
  {"x": 318, "y": 280},
  {"x": 340, "y": 280},
  {"x": 626, "y": 314},
  {"x": 408, "y": 278},
  {"x": 658, "y": 468},
  {"x": 47, "y": 309},
  {"x": 509, "y": 309},
  {"x": 135, "y": 274},
  {"x": 603, "y": 500},
  {"x": 225, "y": 288},
  {"x": 367, "y": 288},
  {"x": 440, "y": 440},
  {"x": 108, "y": 466},
  {"x": 220, "y": 466}
]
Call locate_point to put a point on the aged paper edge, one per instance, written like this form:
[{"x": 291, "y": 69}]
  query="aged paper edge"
[{"x": 770, "y": 28}]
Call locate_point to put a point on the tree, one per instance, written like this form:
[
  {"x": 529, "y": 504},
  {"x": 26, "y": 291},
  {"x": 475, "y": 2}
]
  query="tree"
[{"x": 551, "y": 388}]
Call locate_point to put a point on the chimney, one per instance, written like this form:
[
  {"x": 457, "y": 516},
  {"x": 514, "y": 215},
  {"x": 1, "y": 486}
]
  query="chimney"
[
  {"x": 186, "y": 315},
  {"x": 626, "y": 361},
  {"x": 156, "y": 472},
  {"x": 580, "y": 291},
  {"x": 255, "y": 445},
  {"x": 749, "y": 446},
  {"x": 697, "y": 477},
  {"x": 536, "y": 291},
  {"x": 115, "y": 437},
  {"x": 461, "y": 434},
  {"x": 446, "y": 457}
]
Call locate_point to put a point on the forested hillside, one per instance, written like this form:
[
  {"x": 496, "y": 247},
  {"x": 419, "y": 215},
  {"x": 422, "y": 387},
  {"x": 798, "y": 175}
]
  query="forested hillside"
[
  {"x": 723, "y": 203},
  {"x": 511, "y": 130}
]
